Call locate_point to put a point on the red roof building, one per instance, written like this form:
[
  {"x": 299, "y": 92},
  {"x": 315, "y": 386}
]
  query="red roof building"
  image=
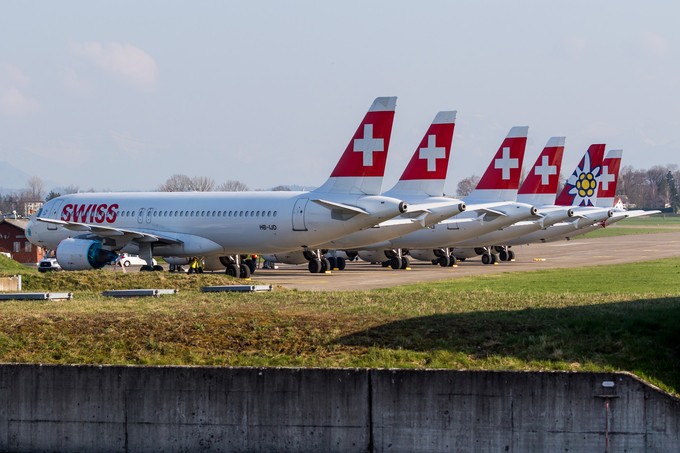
[{"x": 13, "y": 241}]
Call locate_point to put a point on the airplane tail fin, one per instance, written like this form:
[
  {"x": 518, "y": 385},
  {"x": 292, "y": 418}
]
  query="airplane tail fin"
[
  {"x": 361, "y": 167},
  {"x": 426, "y": 172},
  {"x": 609, "y": 178},
  {"x": 540, "y": 185},
  {"x": 581, "y": 187},
  {"x": 501, "y": 179}
]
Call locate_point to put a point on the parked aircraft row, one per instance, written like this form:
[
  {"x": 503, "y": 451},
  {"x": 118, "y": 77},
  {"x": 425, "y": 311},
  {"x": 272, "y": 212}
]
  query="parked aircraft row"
[{"x": 349, "y": 213}]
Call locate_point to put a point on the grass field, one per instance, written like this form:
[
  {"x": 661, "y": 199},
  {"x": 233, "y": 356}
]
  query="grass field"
[{"x": 623, "y": 317}]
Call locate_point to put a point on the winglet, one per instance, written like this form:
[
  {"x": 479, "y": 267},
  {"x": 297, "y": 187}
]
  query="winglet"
[
  {"x": 426, "y": 172},
  {"x": 540, "y": 185},
  {"x": 581, "y": 187},
  {"x": 501, "y": 179},
  {"x": 361, "y": 167}
]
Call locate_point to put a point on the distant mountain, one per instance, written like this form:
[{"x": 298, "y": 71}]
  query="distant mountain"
[{"x": 11, "y": 178}]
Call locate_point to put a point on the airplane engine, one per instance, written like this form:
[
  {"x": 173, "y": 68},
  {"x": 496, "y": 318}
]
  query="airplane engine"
[
  {"x": 372, "y": 256},
  {"x": 177, "y": 260},
  {"x": 286, "y": 258},
  {"x": 82, "y": 254},
  {"x": 423, "y": 255}
]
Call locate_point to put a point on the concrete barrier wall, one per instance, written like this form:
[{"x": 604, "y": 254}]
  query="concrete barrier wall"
[
  {"x": 113, "y": 408},
  {"x": 10, "y": 283}
]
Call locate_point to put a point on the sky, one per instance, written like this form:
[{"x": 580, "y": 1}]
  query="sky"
[{"x": 122, "y": 95}]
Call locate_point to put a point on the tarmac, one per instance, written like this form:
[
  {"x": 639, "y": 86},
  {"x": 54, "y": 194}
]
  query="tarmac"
[{"x": 360, "y": 275}]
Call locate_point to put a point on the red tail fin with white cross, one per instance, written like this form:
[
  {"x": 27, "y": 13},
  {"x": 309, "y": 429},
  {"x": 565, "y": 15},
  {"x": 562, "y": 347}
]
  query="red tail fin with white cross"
[
  {"x": 501, "y": 179},
  {"x": 609, "y": 178},
  {"x": 425, "y": 173},
  {"x": 361, "y": 167},
  {"x": 540, "y": 185}
]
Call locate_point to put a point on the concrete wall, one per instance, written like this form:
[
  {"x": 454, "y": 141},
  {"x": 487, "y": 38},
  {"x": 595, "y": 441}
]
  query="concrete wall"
[
  {"x": 10, "y": 283},
  {"x": 112, "y": 408}
]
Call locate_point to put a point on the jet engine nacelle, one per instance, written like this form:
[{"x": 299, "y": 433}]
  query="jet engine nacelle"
[
  {"x": 423, "y": 255},
  {"x": 372, "y": 256},
  {"x": 286, "y": 258},
  {"x": 82, "y": 254},
  {"x": 177, "y": 260}
]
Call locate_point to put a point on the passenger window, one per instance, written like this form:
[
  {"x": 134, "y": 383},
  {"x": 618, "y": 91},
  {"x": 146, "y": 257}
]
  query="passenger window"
[
  {"x": 274, "y": 213},
  {"x": 246, "y": 213}
]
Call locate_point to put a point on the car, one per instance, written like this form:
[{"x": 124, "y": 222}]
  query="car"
[
  {"x": 49, "y": 263},
  {"x": 127, "y": 260}
]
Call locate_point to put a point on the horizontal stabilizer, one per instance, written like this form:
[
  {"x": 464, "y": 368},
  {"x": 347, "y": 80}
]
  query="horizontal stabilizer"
[{"x": 344, "y": 207}]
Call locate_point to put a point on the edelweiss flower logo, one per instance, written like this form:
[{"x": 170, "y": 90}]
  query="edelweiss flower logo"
[{"x": 583, "y": 183}]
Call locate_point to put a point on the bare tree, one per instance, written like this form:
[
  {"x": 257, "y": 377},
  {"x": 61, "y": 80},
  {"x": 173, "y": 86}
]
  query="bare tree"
[
  {"x": 35, "y": 188},
  {"x": 176, "y": 183},
  {"x": 202, "y": 184},
  {"x": 232, "y": 186},
  {"x": 281, "y": 189},
  {"x": 183, "y": 183},
  {"x": 467, "y": 185}
]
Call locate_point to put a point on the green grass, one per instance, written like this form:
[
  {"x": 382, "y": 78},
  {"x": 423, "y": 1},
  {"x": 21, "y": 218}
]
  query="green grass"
[
  {"x": 9, "y": 266},
  {"x": 599, "y": 318}
]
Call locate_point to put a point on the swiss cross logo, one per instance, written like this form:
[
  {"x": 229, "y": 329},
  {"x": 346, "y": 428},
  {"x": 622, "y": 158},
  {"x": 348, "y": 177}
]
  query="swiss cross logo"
[
  {"x": 506, "y": 163},
  {"x": 432, "y": 153},
  {"x": 545, "y": 170},
  {"x": 368, "y": 145},
  {"x": 606, "y": 177}
]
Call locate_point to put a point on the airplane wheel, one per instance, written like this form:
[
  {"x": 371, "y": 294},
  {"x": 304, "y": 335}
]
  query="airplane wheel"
[
  {"x": 314, "y": 266},
  {"x": 251, "y": 265},
  {"x": 325, "y": 265},
  {"x": 452, "y": 260},
  {"x": 494, "y": 258},
  {"x": 395, "y": 262},
  {"x": 171, "y": 268},
  {"x": 461, "y": 259},
  {"x": 405, "y": 262},
  {"x": 444, "y": 261},
  {"x": 503, "y": 255},
  {"x": 486, "y": 258},
  {"x": 511, "y": 255},
  {"x": 232, "y": 270},
  {"x": 158, "y": 268},
  {"x": 341, "y": 262},
  {"x": 146, "y": 268},
  {"x": 333, "y": 262},
  {"x": 385, "y": 263},
  {"x": 244, "y": 271}
]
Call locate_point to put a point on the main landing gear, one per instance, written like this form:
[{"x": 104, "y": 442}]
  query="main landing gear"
[
  {"x": 237, "y": 267},
  {"x": 444, "y": 257},
  {"x": 396, "y": 259}
]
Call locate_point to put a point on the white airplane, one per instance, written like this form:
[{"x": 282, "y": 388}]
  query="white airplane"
[
  {"x": 606, "y": 193},
  {"x": 497, "y": 188},
  {"x": 88, "y": 229},
  {"x": 421, "y": 185},
  {"x": 591, "y": 186},
  {"x": 538, "y": 189}
]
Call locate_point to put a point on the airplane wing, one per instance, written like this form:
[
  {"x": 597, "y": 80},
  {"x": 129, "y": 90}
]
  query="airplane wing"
[{"x": 108, "y": 232}]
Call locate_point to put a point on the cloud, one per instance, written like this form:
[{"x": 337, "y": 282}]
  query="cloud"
[
  {"x": 126, "y": 61},
  {"x": 13, "y": 101}
]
